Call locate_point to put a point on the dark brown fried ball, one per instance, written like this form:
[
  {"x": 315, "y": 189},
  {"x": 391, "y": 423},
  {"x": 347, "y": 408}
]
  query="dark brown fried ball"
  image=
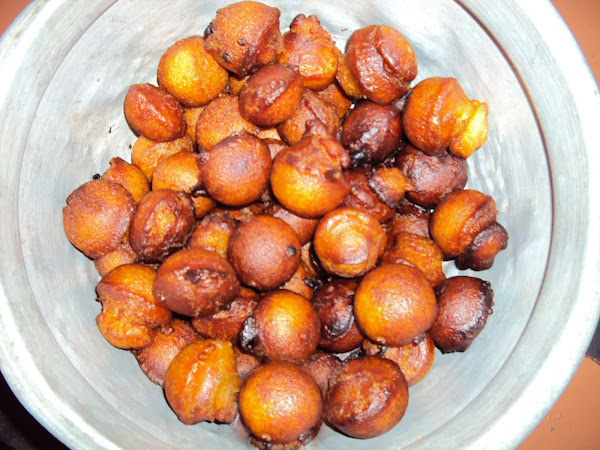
[
  {"x": 245, "y": 363},
  {"x": 213, "y": 233},
  {"x": 129, "y": 176},
  {"x": 367, "y": 397},
  {"x": 265, "y": 252},
  {"x": 334, "y": 303},
  {"x": 371, "y": 133},
  {"x": 123, "y": 254},
  {"x": 154, "y": 113},
  {"x": 220, "y": 119},
  {"x": 394, "y": 304},
  {"x": 417, "y": 251},
  {"x": 310, "y": 47},
  {"x": 281, "y": 404},
  {"x": 362, "y": 195},
  {"x": 431, "y": 176},
  {"x": 312, "y": 108},
  {"x": 481, "y": 252},
  {"x": 459, "y": 217},
  {"x": 321, "y": 366},
  {"x": 196, "y": 282},
  {"x": 465, "y": 303},
  {"x": 161, "y": 224},
  {"x": 307, "y": 178},
  {"x": 130, "y": 313},
  {"x": 409, "y": 218},
  {"x": 284, "y": 326},
  {"x": 237, "y": 170},
  {"x": 146, "y": 154},
  {"x": 438, "y": 115},
  {"x": 271, "y": 94},
  {"x": 415, "y": 359},
  {"x": 244, "y": 36},
  {"x": 227, "y": 323},
  {"x": 169, "y": 340},
  {"x": 189, "y": 73},
  {"x": 303, "y": 226},
  {"x": 382, "y": 61},
  {"x": 202, "y": 383},
  {"x": 349, "y": 242},
  {"x": 97, "y": 217}
]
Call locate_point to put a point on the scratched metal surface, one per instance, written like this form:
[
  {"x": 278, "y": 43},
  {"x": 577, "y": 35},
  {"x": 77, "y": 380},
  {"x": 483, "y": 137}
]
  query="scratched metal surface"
[{"x": 66, "y": 68}]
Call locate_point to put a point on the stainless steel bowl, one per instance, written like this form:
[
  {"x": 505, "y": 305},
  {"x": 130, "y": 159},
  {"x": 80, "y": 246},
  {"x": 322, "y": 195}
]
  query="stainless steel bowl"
[{"x": 65, "y": 68}]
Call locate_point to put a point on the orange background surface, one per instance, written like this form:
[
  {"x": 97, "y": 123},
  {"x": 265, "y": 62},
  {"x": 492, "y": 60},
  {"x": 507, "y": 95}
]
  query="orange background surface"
[{"x": 574, "y": 422}]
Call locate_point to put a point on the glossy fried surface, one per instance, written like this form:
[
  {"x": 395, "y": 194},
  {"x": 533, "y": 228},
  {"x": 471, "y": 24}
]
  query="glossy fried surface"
[
  {"x": 303, "y": 226},
  {"x": 265, "y": 252},
  {"x": 196, "y": 282},
  {"x": 178, "y": 172},
  {"x": 280, "y": 403},
  {"x": 244, "y": 36},
  {"x": 236, "y": 171},
  {"x": 154, "y": 113},
  {"x": 168, "y": 341},
  {"x": 97, "y": 216},
  {"x": 189, "y": 73},
  {"x": 129, "y": 176},
  {"x": 130, "y": 313},
  {"x": 284, "y": 326},
  {"x": 349, "y": 242},
  {"x": 213, "y": 233},
  {"x": 321, "y": 366},
  {"x": 362, "y": 195},
  {"x": 394, "y": 304},
  {"x": 464, "y": 306},
  {"x": 367, "y": 397},
  {"x": 161, "y": 224},
  {"x": 202, "y": 383},
  {"x": 483, "y": 249},
  {"x": 123, "y": 254},
  {"x": 146, "y": 153}
]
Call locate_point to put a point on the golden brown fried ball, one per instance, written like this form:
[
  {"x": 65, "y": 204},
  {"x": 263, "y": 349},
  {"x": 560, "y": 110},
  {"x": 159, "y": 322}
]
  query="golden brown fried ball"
[
  {"x": 334, "y": 303},
  {"x": 161, "y": 224},
  {"x": 481, "y": 252},
  {"x": 347, "y": 80},
  {"x": 97, "y": 217},
  {"x": 236, "y": 84},
  {"x": 310, "y": 47},
  {"x": 281, "y": 404},
  {"x": 284, "y": 326},
  {"x": 362, "y": 195},
  {"x": 196, "y": 282},
  {"x": 390, "y": 185},
  {"x": 417, "y": 251},
  {"x": 178, "y": 172},
  {"x": 129, "y": 176},
  {"x": 349, "y": 242},
  {"x": 168, "y": 341},
  {"x": 271, "y": 94},
  {"x": 394, "y": 304},
  {"x": 307, "y": 178},
  {"x": 236, "y": 171},
  {"x": 459, "y": 217},
  {"x": 227, "y": 323},
  {"x": 431, "y": 177},
  {"x": 335, "y": 95},
  {"x": 123, "y": 254},
  {"x": 303, "y": 226},
  {"x": 311, "y": 108},
  {"x": 415, "y": 359},
  {"x": 465, "y": 304},
  {"x": 146, "y": 154},
  {"x": 244, "y": 36},
  {"x": 367, "y": 397},
  {"x": 438, "y": 115},
  {"x": 213, "y": 233},
  {"x": 382, "y": 61},
  {"x": 220, "y": 119},
  {"x": 265, "y": 252},
  {"x": 202, "y": 383},
  {"x": 189, "y": 73},
  {"x": 130, "y": 313},
  {"x": 371, "y": 133},
  {"x": 154, "y": 113}
]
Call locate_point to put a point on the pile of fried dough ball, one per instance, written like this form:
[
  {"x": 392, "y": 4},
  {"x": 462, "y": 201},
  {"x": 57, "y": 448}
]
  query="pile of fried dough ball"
[{"x": 274, "y": 251}]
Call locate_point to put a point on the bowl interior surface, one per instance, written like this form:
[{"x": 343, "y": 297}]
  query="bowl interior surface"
[{"x": 78, "y": 126}]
